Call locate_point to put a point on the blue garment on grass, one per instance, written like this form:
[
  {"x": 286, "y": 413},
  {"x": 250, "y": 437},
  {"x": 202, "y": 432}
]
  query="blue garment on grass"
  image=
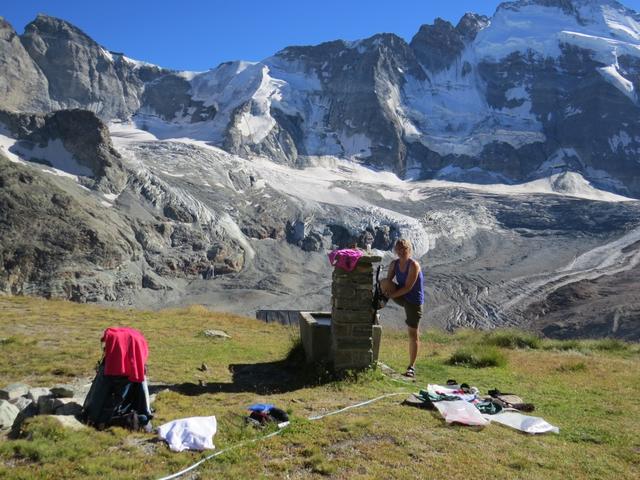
[{"x": 261, "y": 407}]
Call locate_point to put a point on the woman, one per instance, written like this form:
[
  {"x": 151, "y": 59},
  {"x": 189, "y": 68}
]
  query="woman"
[{"x": 408, "y": 292}]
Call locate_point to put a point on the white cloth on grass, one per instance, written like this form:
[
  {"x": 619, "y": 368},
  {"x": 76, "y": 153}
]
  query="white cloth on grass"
[
  {"x": 524, "y": 423},
  {"x": 460, "y": 411},
  {"x": 194, "y": 433}
]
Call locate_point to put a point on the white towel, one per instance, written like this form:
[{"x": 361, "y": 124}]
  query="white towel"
[
  {"x": 524, "y": 423},
  {"x": 194, "y": 433}
]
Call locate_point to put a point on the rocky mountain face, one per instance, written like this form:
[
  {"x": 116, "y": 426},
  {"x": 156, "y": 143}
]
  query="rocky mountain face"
[
  {"x": 23, "y": 86},
  {"x": 126, "y": 182},
  {"x": 541, "y": 87},
  {"x": 55, "y": 245},
  {"x": 81, "y": 134},
  {"x": 60, "y": 235}
]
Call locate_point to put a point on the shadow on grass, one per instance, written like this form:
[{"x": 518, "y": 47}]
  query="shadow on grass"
[{"x": 281, "y": 376}]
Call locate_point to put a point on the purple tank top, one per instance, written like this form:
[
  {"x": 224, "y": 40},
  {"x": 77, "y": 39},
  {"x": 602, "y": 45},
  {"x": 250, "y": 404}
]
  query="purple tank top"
[{"x": 416, "y": 294}]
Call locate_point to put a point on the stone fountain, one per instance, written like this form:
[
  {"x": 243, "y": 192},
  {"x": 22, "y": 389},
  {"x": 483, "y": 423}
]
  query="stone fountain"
[{"x": 348, "y": 337}]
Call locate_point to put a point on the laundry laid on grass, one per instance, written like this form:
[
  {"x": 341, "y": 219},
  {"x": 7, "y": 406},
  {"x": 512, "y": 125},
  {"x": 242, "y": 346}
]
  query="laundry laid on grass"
[
  {"x": 451, "y": 392},
  {"x": 262, "y": 414},
  {"x": 460, "y": 411},
  {"x": 193, "y": 433},
  {"x": 522, "y": 422},
  {"x": 510, "y": 400},
  {"x": 462, "y": 404}
]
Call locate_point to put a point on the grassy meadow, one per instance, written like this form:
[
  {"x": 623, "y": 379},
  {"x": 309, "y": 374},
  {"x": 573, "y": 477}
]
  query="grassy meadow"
[{"x": 589, "y": 389}]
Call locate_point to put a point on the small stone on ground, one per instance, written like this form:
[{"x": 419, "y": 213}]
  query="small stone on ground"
[{"x": 215, "y": 334}]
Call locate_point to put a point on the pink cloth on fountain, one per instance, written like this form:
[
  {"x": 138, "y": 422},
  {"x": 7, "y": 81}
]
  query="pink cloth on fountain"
[{"x": 346, "y": 259}]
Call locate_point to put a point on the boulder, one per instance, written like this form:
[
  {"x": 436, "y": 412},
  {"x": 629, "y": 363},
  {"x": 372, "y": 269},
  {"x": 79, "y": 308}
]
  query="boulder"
[
  {"x": 35, "y": 394},
  {"x": 13, "y": 390},
  {"x": 47, "y": 404},
  {"x": 21, "y": 402},
  {"x": 152, "y": 281},
  {"x": 69, "y": 406},
  {"x": 62, "y": 391},
  {"x": 8, "y": 414},
  {"x": 312, "y": 242},
  {"x": 30, "y": 411}
]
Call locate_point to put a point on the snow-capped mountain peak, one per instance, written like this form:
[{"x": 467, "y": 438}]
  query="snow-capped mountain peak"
[{"x": 495, "y": 97}]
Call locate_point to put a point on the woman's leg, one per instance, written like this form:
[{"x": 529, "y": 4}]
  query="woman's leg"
[{"x": 414, "y": 345}]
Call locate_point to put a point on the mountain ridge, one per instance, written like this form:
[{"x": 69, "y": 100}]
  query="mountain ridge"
[
  {"x": 225, "y": 187},
  {"x": 417, "y": 108}
]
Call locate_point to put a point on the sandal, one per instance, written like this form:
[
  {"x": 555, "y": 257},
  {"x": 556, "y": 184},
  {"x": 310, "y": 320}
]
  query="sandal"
[{"x": 411, "y": 372}]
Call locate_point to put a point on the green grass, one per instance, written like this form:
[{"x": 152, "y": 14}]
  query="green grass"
[
  {"x": 572, "y": 367},
  {"x": 589, "y": 347},
  {"x": 587, "y": 388},
  {"x": 511, "y": 339},
  {"x": 478, "y": 357},
  {"x": 609, "y": 345},
  {"x": 564, "y": 345}
]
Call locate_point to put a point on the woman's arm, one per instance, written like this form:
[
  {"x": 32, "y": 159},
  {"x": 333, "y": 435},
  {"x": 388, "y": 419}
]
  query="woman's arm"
[
  {"x": 391, "y": 272},
  {"x": 414, "y": 270},
  {"x": 387, "y": 285}
]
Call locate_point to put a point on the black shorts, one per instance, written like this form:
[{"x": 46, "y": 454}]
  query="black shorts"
[{"x": 412, "y": 311}]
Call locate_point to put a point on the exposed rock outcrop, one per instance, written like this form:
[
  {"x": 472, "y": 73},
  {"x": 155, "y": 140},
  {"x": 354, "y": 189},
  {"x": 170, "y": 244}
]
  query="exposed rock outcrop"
[
  {"x": 53, "y": 244},
  {"x": 80, "y": 72},
  {"x": 457, "y": 102},
  {"x": 81, "y": 134},
  {"x": 23, "y": 86}
]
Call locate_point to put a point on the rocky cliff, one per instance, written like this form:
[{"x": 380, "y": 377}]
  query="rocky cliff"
[
  {"x": 541, "y": 87},
  {"x": 77, "y": 222}
]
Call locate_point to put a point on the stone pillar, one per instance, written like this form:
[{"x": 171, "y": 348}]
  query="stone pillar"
[{"x": 352, "y": 316}]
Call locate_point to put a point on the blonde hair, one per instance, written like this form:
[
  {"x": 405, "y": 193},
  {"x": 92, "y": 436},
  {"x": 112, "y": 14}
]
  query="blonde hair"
[{"x": 403, "y": 244}]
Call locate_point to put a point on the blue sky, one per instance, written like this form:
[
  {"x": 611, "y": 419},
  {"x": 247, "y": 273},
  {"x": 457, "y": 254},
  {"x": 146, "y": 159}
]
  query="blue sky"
[{"x": 197, "y": 35}]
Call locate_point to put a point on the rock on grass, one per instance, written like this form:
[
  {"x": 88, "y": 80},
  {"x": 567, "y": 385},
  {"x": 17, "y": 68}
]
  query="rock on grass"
[
  {"x": 62, "y": 391},
  {"x": 68, "y": 421},
  {"x": 215, "y": 334},
  {"x": 35, "y": 393},
  {"x": 8, "y": 414},
  {"x": 14, "y": 390}
]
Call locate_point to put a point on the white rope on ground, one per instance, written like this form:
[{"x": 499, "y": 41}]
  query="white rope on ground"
[
  {"x": 220, "y": 452},
  {"x": 408, "y": 383},
  {"x": 277, "y": 432},
  {"x": 403, "y": 382},
  {"x": 361, "y": 404}
]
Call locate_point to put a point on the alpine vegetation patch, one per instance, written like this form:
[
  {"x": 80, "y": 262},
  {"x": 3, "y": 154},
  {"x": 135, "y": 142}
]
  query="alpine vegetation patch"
[
  {"x": 512, "y": 339},
  {"x": 478, "y": 357}
]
